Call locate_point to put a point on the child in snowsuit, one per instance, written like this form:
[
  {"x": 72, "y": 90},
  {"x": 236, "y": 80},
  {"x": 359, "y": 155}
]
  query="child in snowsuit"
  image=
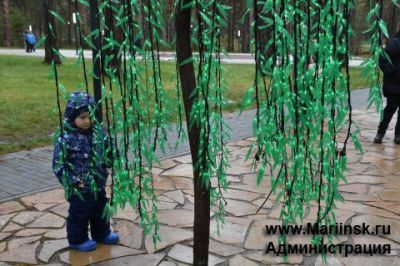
[{"x": 81, "y": 155}]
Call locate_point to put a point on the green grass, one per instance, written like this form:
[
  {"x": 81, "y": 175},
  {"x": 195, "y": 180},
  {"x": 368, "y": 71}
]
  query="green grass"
[{"x": 28, "y": 96}]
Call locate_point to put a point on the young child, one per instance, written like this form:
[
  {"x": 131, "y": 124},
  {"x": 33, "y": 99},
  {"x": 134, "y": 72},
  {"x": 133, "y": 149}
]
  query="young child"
[{"x": 79, "y": 162}]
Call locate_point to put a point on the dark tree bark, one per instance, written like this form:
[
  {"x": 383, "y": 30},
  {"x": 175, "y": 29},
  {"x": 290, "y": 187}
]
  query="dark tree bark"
[
  {"x": 170, "y": 23},
  {"x": 70, "y": 24},
  {"x": 6, "y": 23},
  {"x": 265, "y": 35},
  {"x": 233, "y": 31},
  {"x": 117, "y": 35},
  {"x": 231, "y": 26},
  {"x": 37, "y": 17},
  {"x": 51, "y": 40},
  {"x": 84, "y": 13},
  {"x": 246, "y": 34},
  {"x": 95, "y": 25},
  {"x": 188, "y": 81},
  {"x": 142, "y": 18},
  {"x": 392, "y": 25},
  {"x": 23, "y": 5}
]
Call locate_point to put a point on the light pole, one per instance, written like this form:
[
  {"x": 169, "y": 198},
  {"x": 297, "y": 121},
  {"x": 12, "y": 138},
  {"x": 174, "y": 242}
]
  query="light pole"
[
  {"x": 75, "y": 31},
  {"x": 238, "y": 38}
]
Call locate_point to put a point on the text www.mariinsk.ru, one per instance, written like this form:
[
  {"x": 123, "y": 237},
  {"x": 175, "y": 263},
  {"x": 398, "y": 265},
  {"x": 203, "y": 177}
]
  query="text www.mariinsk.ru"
[{"x": 337, "y": 228}]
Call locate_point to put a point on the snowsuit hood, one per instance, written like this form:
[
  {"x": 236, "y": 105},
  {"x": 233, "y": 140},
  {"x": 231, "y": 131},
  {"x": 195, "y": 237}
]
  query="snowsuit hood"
[{"x": 78, "y": 103}]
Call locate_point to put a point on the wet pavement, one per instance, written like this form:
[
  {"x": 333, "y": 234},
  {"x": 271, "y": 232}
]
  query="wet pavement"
[
  {"x": 231, "y": 58},
  {"x": 32, "y": 228},
  {"x": 26, "y": 172}
]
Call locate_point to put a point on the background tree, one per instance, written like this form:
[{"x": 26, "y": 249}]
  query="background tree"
[
  {"x": 69, "y": 22},
  {"x": 24, "y": 13},
  {"x": 245, "y": 30},
  {"x": 231, "y": 26},
  {"x": 51, "y": 44},
  {"x": 5, "y": 7}
]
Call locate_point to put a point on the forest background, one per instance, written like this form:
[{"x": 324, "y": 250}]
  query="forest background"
[{"x": 17, "y": 15}]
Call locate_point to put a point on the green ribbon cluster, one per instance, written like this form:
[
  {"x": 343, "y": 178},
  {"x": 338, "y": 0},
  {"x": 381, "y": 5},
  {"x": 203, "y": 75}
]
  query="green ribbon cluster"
[
  {"x": 302, "y": 97},
  {"x": 301, "y": 93},
  {"x": 136, "y": 106},
  {"x": 377, "y": 29},
  {"x": 213, "y": 154}
]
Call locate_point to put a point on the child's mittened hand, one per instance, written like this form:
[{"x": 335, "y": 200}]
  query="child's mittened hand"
[{"x": 81, "y": 184}]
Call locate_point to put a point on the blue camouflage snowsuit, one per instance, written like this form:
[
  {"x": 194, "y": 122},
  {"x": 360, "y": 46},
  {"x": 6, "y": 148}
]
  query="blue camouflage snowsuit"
[{"x": 87, "y": 157}]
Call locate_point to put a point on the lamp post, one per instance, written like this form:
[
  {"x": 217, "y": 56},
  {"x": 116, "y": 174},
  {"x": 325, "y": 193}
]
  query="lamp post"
[
  {"x": 69, "y": 37},
  {"x": 75, "y": 31},
  {"x": 238, "y": 38}
]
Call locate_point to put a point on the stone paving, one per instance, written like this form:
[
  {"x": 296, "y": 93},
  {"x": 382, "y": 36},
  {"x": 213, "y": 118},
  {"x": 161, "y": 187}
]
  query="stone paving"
[
  {"x": 26, "y": 172},
  {"x": 32, "y": 228}
]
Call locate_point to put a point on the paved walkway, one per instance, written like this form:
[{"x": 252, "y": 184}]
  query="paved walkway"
[
  {"x": 32, "y": 228},
  {"x": 26, "y": 172},
  {"x": 233, "y": 58}
]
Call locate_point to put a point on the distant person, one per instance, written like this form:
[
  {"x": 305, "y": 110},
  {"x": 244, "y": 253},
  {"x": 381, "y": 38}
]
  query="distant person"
[
  {"x": 137, "y": 45},
  {"x": 31, "y": 41},
  {"x": 391, "y": 87},
  {"x": 26, "y": 41},
  {"x": 80, "y": 158}
]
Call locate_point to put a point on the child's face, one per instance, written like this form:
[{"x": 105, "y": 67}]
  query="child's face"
[{"x": 83, "y": 121}]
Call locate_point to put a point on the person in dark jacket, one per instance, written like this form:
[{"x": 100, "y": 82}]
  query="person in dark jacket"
[
  {"x": 81, "y": 156},
  {"x": 137, "y": 45},
  {"x": 390, "y": 65}
]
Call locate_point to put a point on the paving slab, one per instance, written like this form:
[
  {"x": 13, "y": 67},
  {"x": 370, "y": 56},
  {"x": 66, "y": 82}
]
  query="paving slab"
[
  {"x": 35, "y": 223},
  {"x": 102, "y": 253}
]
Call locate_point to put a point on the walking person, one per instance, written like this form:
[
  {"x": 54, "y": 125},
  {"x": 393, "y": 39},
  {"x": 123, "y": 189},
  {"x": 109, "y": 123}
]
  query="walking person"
[
  {"x": 31, "y": 39},
  {"x": 390, "y": 66},
  {"x": 81, "y": 155}
]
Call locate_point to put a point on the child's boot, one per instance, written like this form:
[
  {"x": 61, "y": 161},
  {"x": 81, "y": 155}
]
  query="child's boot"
[
  {"x": 88, "y": 245},
  {"x": 111, "y": 239}
]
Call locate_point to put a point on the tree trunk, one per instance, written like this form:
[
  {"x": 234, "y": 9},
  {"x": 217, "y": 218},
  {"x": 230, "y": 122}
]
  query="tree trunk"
[
  {"x": 84, "y": 14},
  {"x": 228, "y": 29},
  {"x": 188, "y": 81},
  {"x": 70, "y": 24},
  {"x": 358, "y": 24},
  {"x": 24, "y": 8},
  {"x": 6, "y": 23},
  {"x": 264, "y": 35},
  {"x": 117, "y": 35},
  {"x": 392, "y": 20},
  {"x": 233, "y": 31},
  {"x": 246, "y": 34},
  {"x": 51, "y": 39},
  {"x": 95, "y": 25}
]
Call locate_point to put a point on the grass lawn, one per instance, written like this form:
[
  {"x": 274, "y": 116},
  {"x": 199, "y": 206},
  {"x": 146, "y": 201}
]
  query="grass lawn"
[{"x": 28, "y": 96}]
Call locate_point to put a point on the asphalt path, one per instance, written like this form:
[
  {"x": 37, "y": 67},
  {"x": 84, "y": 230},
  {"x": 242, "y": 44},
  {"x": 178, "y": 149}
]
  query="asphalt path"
[{"x": 232, "y": 58}]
